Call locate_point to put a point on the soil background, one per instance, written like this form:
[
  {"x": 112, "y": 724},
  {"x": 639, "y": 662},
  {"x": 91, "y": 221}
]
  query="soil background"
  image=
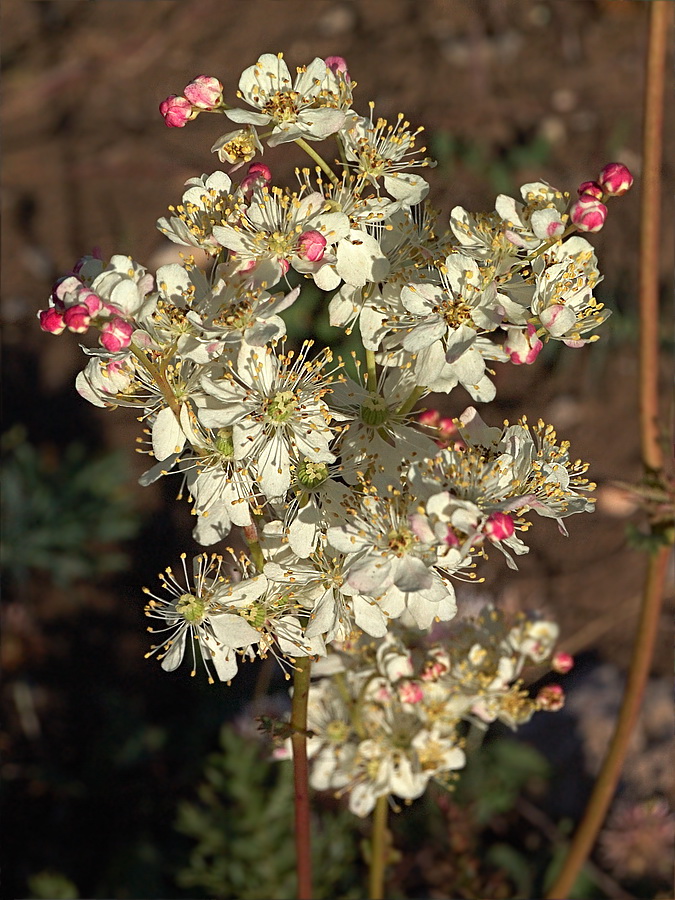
[{"x": 509, "y": 91}]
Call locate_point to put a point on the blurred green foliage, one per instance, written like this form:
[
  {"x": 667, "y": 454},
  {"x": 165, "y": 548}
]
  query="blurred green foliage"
[
  {"x": 62, "y": 512},
  {"x": 242, "y": 826},
  {"x": 497, "y": 168}
]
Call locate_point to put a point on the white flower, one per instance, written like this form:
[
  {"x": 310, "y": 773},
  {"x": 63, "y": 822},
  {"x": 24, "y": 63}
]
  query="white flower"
[
  {"x": 275, "y": 408},
  {"x": 269, "y": 232},
  {"x": 208, "y": 201},
  {"x": 309, "y": 107},
  {"x": 383, "y": 151},
  {"x": 377, "y": 434},
  {"x": 191, "y": 613},
  {"x": 563, "y": 298}
]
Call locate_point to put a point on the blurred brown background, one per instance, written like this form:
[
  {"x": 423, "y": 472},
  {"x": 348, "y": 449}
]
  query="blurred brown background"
[{"x": 508, "y": 91}]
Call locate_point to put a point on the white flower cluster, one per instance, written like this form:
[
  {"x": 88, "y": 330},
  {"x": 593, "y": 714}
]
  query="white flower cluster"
[
  {"x": 353, "y": 513},
  {"x": 391, "y": 715}
]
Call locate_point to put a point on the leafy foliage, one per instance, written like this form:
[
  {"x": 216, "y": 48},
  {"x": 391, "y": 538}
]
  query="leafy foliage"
[
  {"x": 62, "y": 514},
  {"x": 244, "y": 845}
]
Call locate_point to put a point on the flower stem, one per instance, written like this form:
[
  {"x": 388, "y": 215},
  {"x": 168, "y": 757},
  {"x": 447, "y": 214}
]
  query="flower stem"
[
  {"x": 372, "y": 371},
  {"x": 319, "y": 160},
  {"x": 378, "y": 849},
  {"x": 301, "y": 777},
  {"x": 415, "y": 395},
  {"x": 605, "y": 786}
]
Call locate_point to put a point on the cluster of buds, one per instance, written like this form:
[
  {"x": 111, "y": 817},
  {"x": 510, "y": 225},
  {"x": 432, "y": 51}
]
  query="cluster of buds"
[
  {"x": 390, "y": 715},
  {"x": 359, "y": 515},
  {"x": 103, "y": 298},
  {"x": 589, "y": 212},
  {"x": 203, "y": 94}
]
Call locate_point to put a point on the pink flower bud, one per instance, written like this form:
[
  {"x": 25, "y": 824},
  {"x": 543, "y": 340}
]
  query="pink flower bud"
[
  {"x": 551, "y": 698},
  {"x": 177, "y": 111},
  {"x": 410, "y": 692},
  {"x": 450, "y": 538},
  {"x": 91, "y": 300},
  {"x": 51, "y": 320},
  {"x": 116, "y": 335},
  {"x": 311, "y": 245},
  {"x": 257, "y": 175},
  {"x": 523, "y": 347},
  {"x": 430, "y": 417},
  {"x": 590, "y": 187},
  {"x": 338, "y": 64},
  {"x": 204, "y": 91},
  {"x": 499, "y": 526},
  {"x": 588, "y": 213},
  {"x": 562, "y": 663},
  {"x": 615, "y": 179},
  {"x": 77, "y": 318}
]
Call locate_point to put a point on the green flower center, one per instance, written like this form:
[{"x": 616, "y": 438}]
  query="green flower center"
[
  {"x": 311, "y": 474},
  {"x": 282, "y": 406},
  {"x": 400, "y": 541},
  {"x": 191, "y": 608},
  {"x": 337, "y": 731},
  {"x": 374, "y": 411},
  {"x": 224, "y": 442}
]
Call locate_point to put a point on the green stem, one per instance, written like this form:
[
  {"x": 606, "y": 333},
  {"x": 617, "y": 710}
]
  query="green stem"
[
  {"x": 319, "y": 160},
  {"x": 372, "y": 371},
  {"x": 378, "y": 849},
  {"x": 415, "y": 395},
  {"x": 303, "y": 855}
]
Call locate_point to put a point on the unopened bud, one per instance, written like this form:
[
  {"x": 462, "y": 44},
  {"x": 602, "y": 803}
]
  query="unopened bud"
[
  {"x": 177, "y": 111},
  {"x": 204, "y": 91},
  {"x": 615, "y": 179},
  {"x": 523, "y": 347},
  {"x": 257, "y": 175},
  {"x": 588, "y": 213},
  {"x": 499, "y": 526},
  {"x": 562, "y": 663},
  {"x": 116, "y": 335},
  {"x": 590, "y": 187},
  {"x": 551, "y": 698},
  {"x": 338, "y": 64},
  {"x": 311, "y": 245},
  {"x": 430, "y": 417},
  {"x": 410, "y": 692},
  {"x": 77, "y": 318},
  {"x": 51, "y": 320},
  {"x": 91, "y": 300}
]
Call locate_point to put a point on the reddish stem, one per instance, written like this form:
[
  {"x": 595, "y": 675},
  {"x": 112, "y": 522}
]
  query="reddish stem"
[{"x": 301, "y": 777}]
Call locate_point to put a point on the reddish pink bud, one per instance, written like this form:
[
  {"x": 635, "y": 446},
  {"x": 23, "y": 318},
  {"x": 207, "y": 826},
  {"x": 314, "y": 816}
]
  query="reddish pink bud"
[
  {"x": 204, "y": 91},
  {"x": 615, "y": 179},
  {"x": 51, "y": 320},
  {"x": 177, "y": 111},
  {"x": 551, "y": 698},
  {"x": 91, "y": 300},
  {"x": 499, "y": 526},
  {"x": 311, "y": 245},
  {"x": 285, "y": 266},
  {"x": 451, "y": 538},
  {"x": 410, "y": 692},
  {"x": 430, "y": 417},
  {"x": 590, "y": 187},
  {"x": 116, "y": 335},
  {"x": 562, "y": 663},
  {"x": 523, "y": 347},
  {"x": 338, "y": 64},
  {"x": 588, "y": 213},
  {"x": 77, "y": 318},
  {"x": 257, "y": 175}
]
